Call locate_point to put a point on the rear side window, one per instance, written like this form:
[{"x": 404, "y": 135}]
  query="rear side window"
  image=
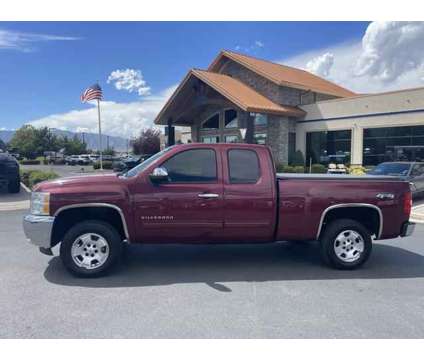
[
  {"x": 243, "y": 166},
  {"x": 197, "y": 165}
]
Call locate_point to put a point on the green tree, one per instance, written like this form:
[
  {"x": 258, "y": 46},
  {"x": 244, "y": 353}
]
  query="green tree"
[
  {"x": 73, "y": 146},
  {"x": 24, "y": 141}
]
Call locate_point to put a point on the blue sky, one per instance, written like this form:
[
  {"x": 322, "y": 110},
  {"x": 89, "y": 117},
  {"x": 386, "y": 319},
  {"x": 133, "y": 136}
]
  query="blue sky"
[{"x": 46, "y": 65}]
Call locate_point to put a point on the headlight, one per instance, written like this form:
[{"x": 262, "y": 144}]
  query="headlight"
[{"x": 40, "y": 203}]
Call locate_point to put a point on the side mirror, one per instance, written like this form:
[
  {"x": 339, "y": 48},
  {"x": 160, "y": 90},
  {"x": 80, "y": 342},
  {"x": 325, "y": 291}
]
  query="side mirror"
[{"x": 158, "y": 175}]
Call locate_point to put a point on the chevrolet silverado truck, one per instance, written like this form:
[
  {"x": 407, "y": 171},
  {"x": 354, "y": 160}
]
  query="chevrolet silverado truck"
[{"x": 214, "y": 194}]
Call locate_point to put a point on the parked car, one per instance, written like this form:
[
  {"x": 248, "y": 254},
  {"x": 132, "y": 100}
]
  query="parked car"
[
  {"x": 413, "y": 172},
  {"x": 128, "y": 163},
  {"x": 214, "y": 193},
  {"x": 9, "y": 173},
  {"x": 77, "y": 160}
]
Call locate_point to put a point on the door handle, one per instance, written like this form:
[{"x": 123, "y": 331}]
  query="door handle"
[{"x": 208, "y": 196}]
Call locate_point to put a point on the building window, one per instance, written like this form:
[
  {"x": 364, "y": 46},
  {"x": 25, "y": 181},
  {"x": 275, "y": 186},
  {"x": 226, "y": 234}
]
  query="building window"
[
  {"x": 402, "y": 143},
  {"x": 210, "y": 139},
  {"x": 231, "y": 139},
  {"x": 260, "y": 138},
  {"x": 261, "y": 120},
  {"x": 292, "y": 146},
  {"x": 231, "y": 120},
  {"x": 326, "y": 147},
  {"x": 211, "y": 123}
]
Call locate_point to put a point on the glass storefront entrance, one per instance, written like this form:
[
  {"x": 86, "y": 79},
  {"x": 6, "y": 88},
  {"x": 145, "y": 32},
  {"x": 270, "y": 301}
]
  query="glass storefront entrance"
[{"x": 324, "y": 147}]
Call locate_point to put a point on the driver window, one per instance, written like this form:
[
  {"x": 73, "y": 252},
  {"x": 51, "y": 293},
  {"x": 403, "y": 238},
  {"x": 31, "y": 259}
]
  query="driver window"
[{"x": 197, "y": 165}]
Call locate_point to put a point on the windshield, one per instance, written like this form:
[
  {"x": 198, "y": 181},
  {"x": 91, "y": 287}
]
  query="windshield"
[
  {"x": 397, "y": 169},
  {"x": 139, "y": 168}
]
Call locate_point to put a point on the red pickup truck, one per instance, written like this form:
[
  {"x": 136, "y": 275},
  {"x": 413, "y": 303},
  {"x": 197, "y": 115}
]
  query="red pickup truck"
[{"x": 214, "y": 193}]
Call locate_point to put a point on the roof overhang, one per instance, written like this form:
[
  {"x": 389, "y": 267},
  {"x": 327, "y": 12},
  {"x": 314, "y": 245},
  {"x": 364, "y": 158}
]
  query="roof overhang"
[{"x": 233, "y": 90}]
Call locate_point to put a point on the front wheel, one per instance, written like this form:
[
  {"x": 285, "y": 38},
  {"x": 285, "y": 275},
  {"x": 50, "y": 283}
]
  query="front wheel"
[
  {"x": 90, "y": 248},
  {"x": 346, "y": 244}
]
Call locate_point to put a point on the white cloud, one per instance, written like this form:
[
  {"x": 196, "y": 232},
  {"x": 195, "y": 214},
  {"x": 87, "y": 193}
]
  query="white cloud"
[
  {"x": 14, "y": 40},
  {"x": 118, "y": 119},
  {"x": 130, "y": 80},
  {"x": 390, "y": 56},
  {"x": 259, "y": 44},
  {"x": 321, "y": 65},
  {"x": 250, "y": 48},
  {"x": 391, "y": 49}
]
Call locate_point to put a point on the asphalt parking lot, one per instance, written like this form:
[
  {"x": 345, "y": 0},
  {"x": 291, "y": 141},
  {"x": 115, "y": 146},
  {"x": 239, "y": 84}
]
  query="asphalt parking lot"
[{"x": 245, "y": 291}]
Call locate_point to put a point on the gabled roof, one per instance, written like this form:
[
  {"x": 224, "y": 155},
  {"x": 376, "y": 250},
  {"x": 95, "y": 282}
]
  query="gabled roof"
[
  {"x": 235, "y": 91},
  {"x": 283, "y": 75}
]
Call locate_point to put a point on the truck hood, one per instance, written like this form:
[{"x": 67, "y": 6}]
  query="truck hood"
[{"x": 79, "y": 181}]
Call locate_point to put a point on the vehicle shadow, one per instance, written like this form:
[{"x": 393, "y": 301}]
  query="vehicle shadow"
[{"x": 149, "y": 265}]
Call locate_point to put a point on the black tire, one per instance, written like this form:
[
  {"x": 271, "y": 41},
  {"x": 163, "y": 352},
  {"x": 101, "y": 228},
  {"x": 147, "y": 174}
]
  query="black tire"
[
  {"x": 342, "y": 228},
  {"x": 109, "y": 234},
  {"x": 14, "y": 186}
]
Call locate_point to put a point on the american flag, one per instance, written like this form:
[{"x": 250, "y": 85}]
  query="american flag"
[{"x": 94, "y": 92}]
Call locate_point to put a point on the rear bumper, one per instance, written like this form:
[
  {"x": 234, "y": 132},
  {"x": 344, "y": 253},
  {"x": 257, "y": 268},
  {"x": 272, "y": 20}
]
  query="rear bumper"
[
  {"x": 38, "y": 230},
  {"x": 407, "y": 229}
]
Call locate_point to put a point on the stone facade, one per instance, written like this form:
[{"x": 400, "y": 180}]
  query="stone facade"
[{"x": 279, "y": 129}]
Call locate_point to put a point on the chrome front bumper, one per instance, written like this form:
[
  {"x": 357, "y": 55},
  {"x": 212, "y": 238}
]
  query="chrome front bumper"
[{"x": 38, "y": 230}]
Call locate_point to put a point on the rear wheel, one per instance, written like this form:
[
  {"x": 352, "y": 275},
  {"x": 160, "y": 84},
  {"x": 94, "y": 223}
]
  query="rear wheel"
[
  {"x": 345, "y": 244},
  {"x": 91, "y": 248}
]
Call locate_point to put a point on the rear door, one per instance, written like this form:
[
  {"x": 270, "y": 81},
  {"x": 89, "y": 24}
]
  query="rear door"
[{"x": 249, "y": 194}]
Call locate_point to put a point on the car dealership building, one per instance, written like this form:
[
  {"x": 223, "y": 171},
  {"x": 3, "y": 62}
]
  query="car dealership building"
[{"x": 244, "y": 99}]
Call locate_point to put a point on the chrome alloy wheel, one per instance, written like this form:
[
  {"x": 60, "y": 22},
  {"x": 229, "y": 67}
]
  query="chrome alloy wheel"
[
  {"x": 90, "y": 251},
  {"x": 349, "y": 246}
]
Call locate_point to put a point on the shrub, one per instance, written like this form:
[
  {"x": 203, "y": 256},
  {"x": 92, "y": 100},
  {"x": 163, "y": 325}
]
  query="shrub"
[
  {"x": 106, "y": 165},
  {"x": 357, "y": 170},
  {"x": 299, "y": 169},
  {"x": 32, "y": 177},
  {"x": 318, "y": 169},
  {"x": 30, "y": 162},
  {"x": 298, "y": 159}
]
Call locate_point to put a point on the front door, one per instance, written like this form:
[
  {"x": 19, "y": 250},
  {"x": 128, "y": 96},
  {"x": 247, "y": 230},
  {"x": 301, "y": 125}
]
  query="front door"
[{"x": 187, "y": 207}]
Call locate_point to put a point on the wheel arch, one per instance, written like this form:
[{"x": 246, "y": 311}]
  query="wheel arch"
[
  {"x": 66, "y": 216},
  {"x": 351, "y": 211}
]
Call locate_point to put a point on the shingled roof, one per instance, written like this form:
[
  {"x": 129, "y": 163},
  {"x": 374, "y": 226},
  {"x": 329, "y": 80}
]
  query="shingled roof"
[{"x": 282, "y": 75}]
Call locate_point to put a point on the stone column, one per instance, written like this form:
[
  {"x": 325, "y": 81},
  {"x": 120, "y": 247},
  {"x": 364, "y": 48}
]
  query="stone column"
[{"x": 278, "y": 138}]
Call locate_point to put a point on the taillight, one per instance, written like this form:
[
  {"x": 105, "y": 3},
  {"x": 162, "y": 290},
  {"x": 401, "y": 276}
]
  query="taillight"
[{"x": 407, "y": 203}]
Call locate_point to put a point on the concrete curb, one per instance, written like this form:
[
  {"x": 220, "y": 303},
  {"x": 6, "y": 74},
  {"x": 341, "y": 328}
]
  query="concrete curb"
[
  {"x": 417, "y": 214},
  {"x": 15, "y": 205},
  {"x": 25, "y": 188}
]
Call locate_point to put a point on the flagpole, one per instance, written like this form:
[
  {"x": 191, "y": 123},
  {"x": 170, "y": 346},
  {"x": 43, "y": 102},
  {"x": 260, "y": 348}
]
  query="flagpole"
[{"x": 100, "y": 136}]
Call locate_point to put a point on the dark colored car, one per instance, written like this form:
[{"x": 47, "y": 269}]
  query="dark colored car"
[
  {"x": 9, "y": 173},
  {"x": 408, "y": 171},
  {"x": 128, "y": 163},
  {"x": 214, "y": 194}
]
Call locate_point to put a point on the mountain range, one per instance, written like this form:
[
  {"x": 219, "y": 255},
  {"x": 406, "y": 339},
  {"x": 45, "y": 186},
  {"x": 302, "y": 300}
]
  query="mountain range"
[{"x": 92, "y": 140}]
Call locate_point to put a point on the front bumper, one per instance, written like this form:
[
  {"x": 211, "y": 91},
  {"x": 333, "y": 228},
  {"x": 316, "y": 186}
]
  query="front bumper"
[
  {"x": 407, "y": 229},
  {"x": 38, "y": 230}
]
